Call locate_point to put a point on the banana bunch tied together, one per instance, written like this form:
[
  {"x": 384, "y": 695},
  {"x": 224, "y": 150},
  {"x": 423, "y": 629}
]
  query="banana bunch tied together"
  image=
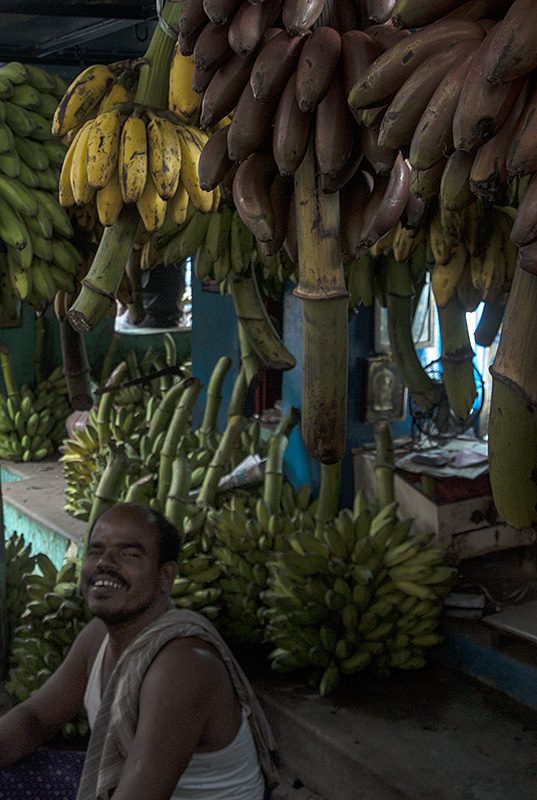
[
  {"x": 54, "y": 615},
  {"x": 358, "y": 592},
  {"x": 125, "y": 152},
  {"x": 33, "y": 422},
  {"x": 37, "y": 258},
  {"x": 19, "y": 561}
]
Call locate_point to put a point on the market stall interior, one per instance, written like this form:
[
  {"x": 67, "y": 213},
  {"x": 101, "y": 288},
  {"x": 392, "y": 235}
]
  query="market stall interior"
[{"x": 269, "y": 267}]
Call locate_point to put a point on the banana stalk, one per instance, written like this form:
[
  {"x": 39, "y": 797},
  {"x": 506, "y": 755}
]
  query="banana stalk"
[
  {"x": 109, "y": 489},
  {"x": 288, "y": 422},
  {"x": 213, "y": 400},
  {"x": 39, "y": 338},
  {"x": 217, "y": 467},
  {"x": 238, "y": 395},
  {"x": 177, "y": 498},
  {"x": 106, "y": 404},
  {"x": 177, "y": 429},
  {"x": 513, "y": 410},
  {"x": 384, "y": 463},
  {"x": 109, "y": 358},
  {"x": 325, "y": 307},
  {"x": 457, "y": 358},
  {"x": 76, "y": 367},
  {"x": 6, "y": 364},
  {"x": 100, "y": 286},
  {"x": 273, "y": 479},
  {"x": 327, "y": 507},
  {"x": 164, "y": 410},
  {"x": 249, "y": 359},
  {"x": 141, "y": 491}
]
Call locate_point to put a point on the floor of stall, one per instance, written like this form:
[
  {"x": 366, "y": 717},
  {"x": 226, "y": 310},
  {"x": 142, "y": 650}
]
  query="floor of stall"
[{"x": 463, "y": 727}]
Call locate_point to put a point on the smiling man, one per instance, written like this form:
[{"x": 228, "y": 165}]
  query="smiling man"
[{"x": 172, "y": 715}]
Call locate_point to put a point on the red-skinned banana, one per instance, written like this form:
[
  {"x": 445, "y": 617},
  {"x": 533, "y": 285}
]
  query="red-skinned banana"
[
  {"x": 336, "y": 182},
  {"x": 345, "y": 15},
  {"x": 489, "y": 177},
  {"x": 381, "y": 159},
  {"x": 433, "y": 137},
  {"x": 335, "y": 129},
  {"x": 390, "y": 70},
  {"x": 385, "y": 36},
  {"x": 386, "y": 213},
  {"x": 299, "y": 15},
  {"x": 250, "y": 125},
  {"x": 425, "y": 183},
  {"x": 358, "y": 52},
  {"x": 354, "y": 198},
  {"x": 249, "y": 24},
  {"x": 405, "y": 110},
  {"x": 416, "y": 13},
  {"x": 280, "y": 196},
  {"x": 512, "y": 52},
  {"x": 379, "y": 11},
  {"x": 455, "y": 192},
  {"x": 316, "y": 66},
  {"x": 481, "y": 9},
  {"x": 219, "y": 11},
  {"x": 522, "y": 155},
  {"x": 291, "y": 130},
  {"x": 214, "y": 163},
  {"x": 275, "y": 64},
  {"x": 193, "y": 18},
  {"x": 524, "y": 230},
  {"x": 482, "y": 108},
  {"x": 251, "y": 187},
  {"x": 212, "y": 47}
]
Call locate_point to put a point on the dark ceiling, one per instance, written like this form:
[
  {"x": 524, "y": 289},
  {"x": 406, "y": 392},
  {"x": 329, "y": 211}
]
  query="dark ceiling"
[{"x": 70, "y": 34}]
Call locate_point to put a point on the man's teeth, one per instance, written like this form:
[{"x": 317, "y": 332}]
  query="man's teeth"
[{"x": 107, "y": 582}]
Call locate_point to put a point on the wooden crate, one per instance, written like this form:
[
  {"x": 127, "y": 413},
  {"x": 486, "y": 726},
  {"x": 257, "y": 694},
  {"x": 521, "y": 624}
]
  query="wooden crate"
[{"x": 471, "y": 526}]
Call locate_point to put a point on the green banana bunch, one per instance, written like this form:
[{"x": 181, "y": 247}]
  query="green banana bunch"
[
  {"x": 19, "y": 562},
  {"x": 54, "y": 615}
]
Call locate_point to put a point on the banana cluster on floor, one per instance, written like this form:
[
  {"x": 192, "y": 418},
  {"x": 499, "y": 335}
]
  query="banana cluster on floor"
[
  {"x": 36, "y": 257},
  {"x": 53, "y": 614}
]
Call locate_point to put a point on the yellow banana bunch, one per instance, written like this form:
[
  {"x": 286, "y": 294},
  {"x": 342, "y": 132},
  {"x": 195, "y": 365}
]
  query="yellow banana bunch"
[
  {"x": 182, "y": 99},
  {"x": 103, "y": 146},
  {"x": 164, "y": 155},
  {"x": 132, "y": 164}
]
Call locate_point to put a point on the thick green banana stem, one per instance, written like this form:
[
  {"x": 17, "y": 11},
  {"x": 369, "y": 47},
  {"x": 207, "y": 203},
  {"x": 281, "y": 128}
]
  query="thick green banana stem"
[
  {"x": 177, "y": 429},
  {"x": 325, "y": 307},
  {"x": 110, "y": 485},
  {"x": 177, "y": 498},
  {"x": 273, "y": 479},
  {"x": 220, "y": 460},
  {"x": 213, "y": 400},
  {"x": 6, "y": 364},
  {"x": 249, "y": 359},
  {"x": 76, "y": 367},
  {"x": 252, "y": 315},
  {"x": 327, "y": 507},
  {"x": 238, "y": 395},
  {"x": 384, "y": 463},
  {"x": 513, "y": 410},
  {"x": 99, "y": 287},
  {"x": 164, "y": 411},
  {"x": 108, "y": 360},
  {"x": 457, "y": 358},
  {"x": 106, "y": 404}
]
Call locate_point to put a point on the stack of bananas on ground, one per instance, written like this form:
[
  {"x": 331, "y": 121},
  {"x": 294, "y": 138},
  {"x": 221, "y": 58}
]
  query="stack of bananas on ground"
[
  {"x": 358, "y": 592},
  {"x": 54, "y": 615},
  {"x": 19, "y": 562},
  {"x": 37, "y": 257},
  {"x": 126, "y": 152},
  {"x": 32, "y": 421}
]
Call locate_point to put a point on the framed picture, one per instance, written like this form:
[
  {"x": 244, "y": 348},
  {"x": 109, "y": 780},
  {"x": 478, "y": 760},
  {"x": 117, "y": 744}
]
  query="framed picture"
[
  {"x": 386, "y": 394},
  {"x": 422, "y": 326}
]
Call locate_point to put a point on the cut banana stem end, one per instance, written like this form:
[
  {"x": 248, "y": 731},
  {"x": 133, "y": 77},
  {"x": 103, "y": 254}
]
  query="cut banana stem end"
[{"x": 328, "y": 492}]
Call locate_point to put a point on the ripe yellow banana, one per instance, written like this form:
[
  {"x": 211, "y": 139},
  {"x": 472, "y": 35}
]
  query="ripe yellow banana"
[
  {"x": 191, "y": 141},
  {"x": 82, "y": 190},
  {"x": 182, "y": 99},
  {"x": 132, "y": 164},
  {"x": 109, "y": 200},
  {"x": 178, "y": 204},
  {"x": 103, "y": 146},
  {"x": 151, "y": 206},
  {"x": 164, "y": 155},
  {"x": 81, "y": 98}
]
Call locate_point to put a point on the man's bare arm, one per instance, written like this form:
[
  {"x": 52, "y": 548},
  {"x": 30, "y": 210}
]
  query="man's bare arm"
[{"x": 31, "y": 723}]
